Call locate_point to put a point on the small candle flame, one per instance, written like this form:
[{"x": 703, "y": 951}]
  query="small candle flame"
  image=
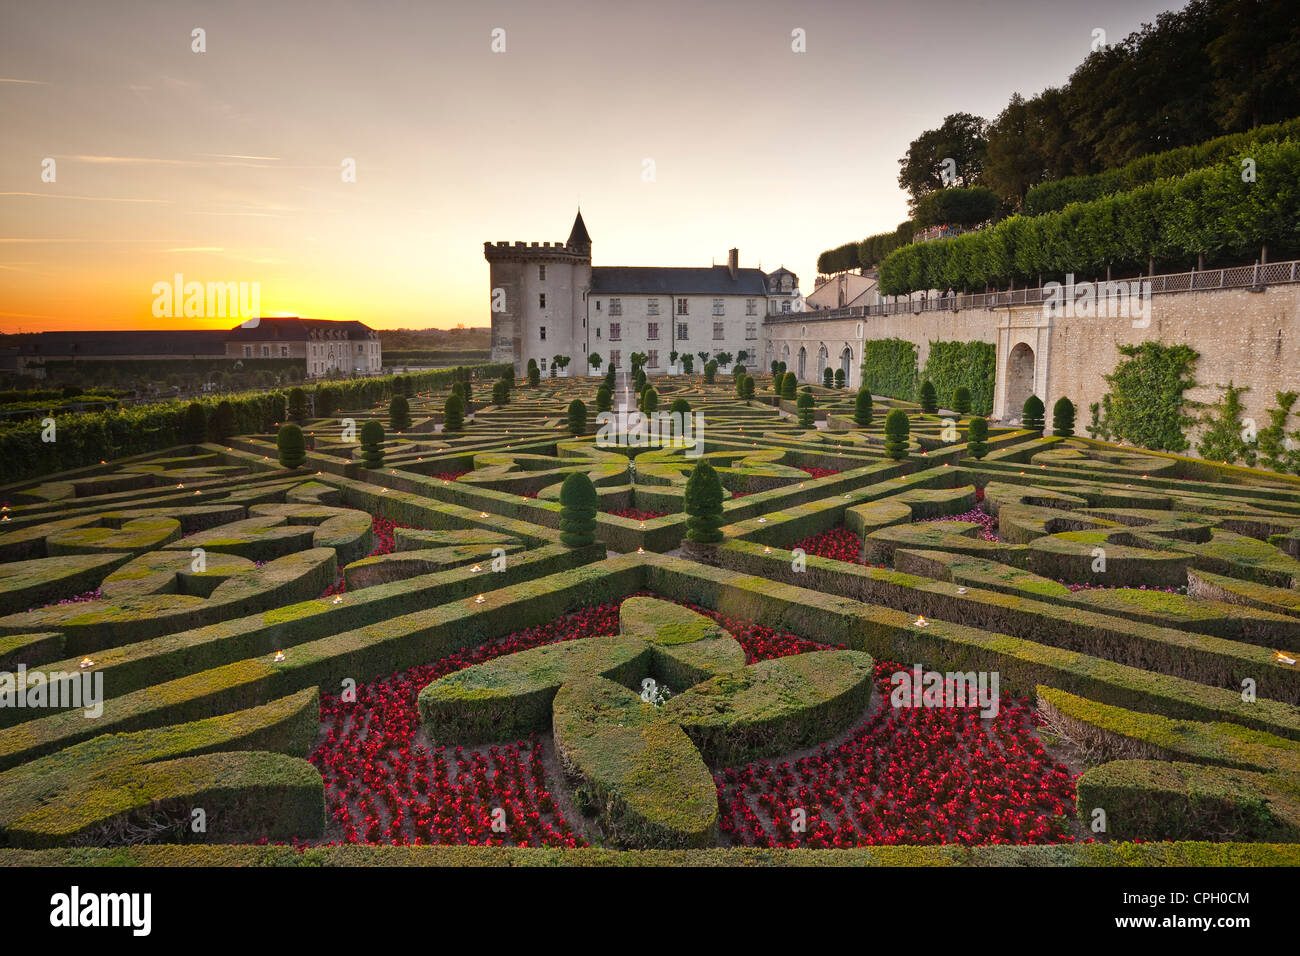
[{"x": 279, "y": 656}]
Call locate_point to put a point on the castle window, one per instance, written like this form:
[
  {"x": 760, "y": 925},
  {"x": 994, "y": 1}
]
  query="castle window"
[
  {"x": 597, "y": 305},
  {"x": 541, "y": 273},
  {"x": 751, "y": 307},
  {"x": 248, "y": 351},
  {"x": 284, "y": 351},
  {"x": 751, "y": 330},
  {"x": 615, "y": 358},
  {"x": 719, "y": 331},
  {"x": 615, "y": 329},
  {"x": 541, "y": 300},
  {"x": 652, "y": 358},
  {"x": 681, "y": 332},
  {"x": 651, "y": 306},
  {"x": 266, "y": 351},
  {"x": 681, "y": 307},
  {"x": 719, "y": 308},
  {"x": 541, "y": 331},
  {"x": 652, "y": 331},
  {"x": 785, "y": 307},
  {"x": 615, "y": 306}
]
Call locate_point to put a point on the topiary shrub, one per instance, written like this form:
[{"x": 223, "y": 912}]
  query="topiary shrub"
[
  {"x": 372, "y": 444},
  {"x": 195, "y": 426},
  {"x": 604, "y": 398},
  {"x": 929, "y": 400},
  {"x": 326, "y": 402},
  {"x": 222, "y": 424},
  {"x": 680, "y": 406},
  {"x": 578, "y": 511},
  {"x": 703, "y": 504},
  {"x": 776, "y": 366},
  {"x": 467, "y": 388},
  {"x": 639, "y": 380},
  {"x": 1063, "y": 417},
  {"x": 399, "y": 413},
  {"x": 297, "y": 405},
  {"x": 501, "y": 392},
  {"x": 897, "y": 432},
  {"x": 650, "y": 401},
  {"x": 710, "y": 372},
  {"x": 828, "y": 377},
  {"x": 805, "y": 405},
  {"x": 961, "y": 400},
  {"x": 862, "y": 408},
  {"x": 747, "y": 392},
  {"x": 1031, "y": 416},
  {"x": 292, "y": 446},
  {"x": 977, "y": 433},
  {"x": 839, "y": 378},
  {"x": 577, "y": 417},
  {"x": 534, "y": 374},
  {"x": 453, "y": 413},
  {"x": 788, "y": 384}
]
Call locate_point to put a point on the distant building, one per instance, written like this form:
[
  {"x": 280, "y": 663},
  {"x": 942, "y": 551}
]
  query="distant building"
[
  {"x": 845, "y": 290},
  {"x": 548, "y": 300},
  {"x": 318, "y": 346}
]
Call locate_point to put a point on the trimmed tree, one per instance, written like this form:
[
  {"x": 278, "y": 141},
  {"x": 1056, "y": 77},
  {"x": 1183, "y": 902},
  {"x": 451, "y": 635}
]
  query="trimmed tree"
[
  {"x": 788, "y": 384},
  {"x": 703, "y": 504},
  {"x": 195, "y": 427},
  {"x": 710, "y": 372},
  {"x": 977, "y": 433},
  {"x": 297, "y": 405},
  {"x": 748, "y": 393},
  {"x": 839, "y": 378},
  {"x": 594, "y": 360},
  {"x": 929, "y": 399},
  {"x": 688, "y": 364},
  {"x": 501, "y": 392},
  {"x": 828, "y": 377},
  {"x": 1063, "y": 417},
  {"x": 775, "y": 367},
  {"x": 534, "y": 374},
  {"x": 805, "y": 405},
  {"x": 399, "y": 413},
  {"x": 1031, "y": 415},
  {"x": 372, "y": 444},
  {"x": 578, "y": 502},
  {"x": 325, "y": 401},
  {"x": 649, "y": 401},
  {"x": 680, "y": 406},
  {"x": 862, "y": 408},
  {"x": 577, "y": 417},
  {"x": 292, "y": 446},
  {"x": 961, "y": 400},
  {"x": 604, "y": 399},
  {"x": 897, "y": 432},
  {"x": 453, "y": 413}
]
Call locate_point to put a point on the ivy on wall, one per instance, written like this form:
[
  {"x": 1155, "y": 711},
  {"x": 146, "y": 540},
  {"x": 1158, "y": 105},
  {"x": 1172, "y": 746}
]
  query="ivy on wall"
[
  {"x": 951, "y": 365},
  {"x": 889, "y": 367},
  {"x": 1146, "y": 404}
]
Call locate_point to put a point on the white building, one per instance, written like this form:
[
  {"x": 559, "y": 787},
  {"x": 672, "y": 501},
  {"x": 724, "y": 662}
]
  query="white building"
[{"x": 548, "y": 300}]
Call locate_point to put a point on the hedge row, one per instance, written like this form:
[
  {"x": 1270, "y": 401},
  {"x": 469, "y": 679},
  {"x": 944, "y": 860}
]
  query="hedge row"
[
  {"x": 1054, "y": 195},
  {"x": 951, "y": 365},
  {"x": 1209, "y": 211},
  {"x": 889, "y": 367}
]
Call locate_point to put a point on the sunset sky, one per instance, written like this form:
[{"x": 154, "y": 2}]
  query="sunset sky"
[{"x": 225, "y": 166}]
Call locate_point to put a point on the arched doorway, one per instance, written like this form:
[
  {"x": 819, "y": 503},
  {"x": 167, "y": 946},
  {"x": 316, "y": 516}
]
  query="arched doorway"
[
  {"x": 785, "y": 358},
  {"x": 803, "y": 362},
  {"x": 846, "y": 365},
  {"x": 1020, "y": 379},
  {"x": 823, "y": 357}
]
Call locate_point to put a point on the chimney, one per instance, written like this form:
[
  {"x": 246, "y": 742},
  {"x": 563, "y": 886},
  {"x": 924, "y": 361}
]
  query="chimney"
[{"x": 733, "y": 262}]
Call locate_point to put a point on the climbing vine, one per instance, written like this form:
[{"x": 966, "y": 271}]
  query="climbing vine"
[{"x": 1146, "y": 404}]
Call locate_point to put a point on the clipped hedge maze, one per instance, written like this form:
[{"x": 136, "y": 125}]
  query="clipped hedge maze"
[{"x": 200, "y": 647}]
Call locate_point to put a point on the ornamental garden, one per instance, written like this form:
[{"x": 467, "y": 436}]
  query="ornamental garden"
[{"x": 445, "y": 615}]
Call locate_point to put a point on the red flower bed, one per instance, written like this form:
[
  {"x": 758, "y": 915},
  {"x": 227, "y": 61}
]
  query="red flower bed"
[
  {"x": 838, "y": 543},
  {"x": 819, "y": 472},
  {"x": 384, "y": 785},
  {"x": 384, "y": 532},
  {"x": 636, "y": 514},
  {"x": 907, "y": 776},
  {"x": 449, "y": 475},
  {"x": 988, "y": 524}
]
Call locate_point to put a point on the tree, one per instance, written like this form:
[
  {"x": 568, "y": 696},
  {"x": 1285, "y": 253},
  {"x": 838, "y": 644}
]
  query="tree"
[
  {"x": 1031, "y": 415},
  {"x": 501, "y": 392},
  {"x": 578, "y": 502},
  {"x": 740, "y": 383},
  {"x": 1222, "y": 439},
  {"x": 222, "y": 424},
  {"x": 195, "y": 427},
  {"x": 650, "y": 401},
  {"x": 952, "y": 155},
  {"x": 977, "y": 434},
  {"x": 297, "y": 405},
  {"x": 788, "y": 384},
  {"x": 534, "y": 374},
  {"x": 672, "y": 357},
  {"x": 1273, "y": 450},
  {"x": 562, "y": 361},
  {"x": 897, "y": 434},
  {"x": 372, "y": 444},
  {"x": 807, "y": 417},
  {"x": 326, "y": 402},
  {"x": 703, "y": 504},
  {"x": 839, "y": 378},
  {"x": 775, "y": 367},
  {"x": 292, "y": 446},
  {"x": 742, "y": 356},
  {"x": 748, "y": 393},
  {"x": 604, "y": 399},
  {"x": 780, "y": 367},
  {"x": 1012, "y": 164},
  {"x": 862, "y": 408},
  {"x": 639, "y": 379},
  {"x": 466, "y": 388},
  {"x": 1063, "y": 418},
  {"x": 594, "y": 360},
  {"x": 929, "y": 400},
  {"x": 739, "y": 370},
  {"x": 704, "y": 358},
  {"x": 453, "y": 413},
  {"x": 723, "y": 359},
  {"x": 828, "y": 377},
  {"x": 680, "y": 406},
  {"x": 399, "y": 413},
  {"x": 961, "y": 400},
  {"x": 710, "y": 372},
  {"x": 577, "y": 417},
  {"x": 688, "y": 364}
]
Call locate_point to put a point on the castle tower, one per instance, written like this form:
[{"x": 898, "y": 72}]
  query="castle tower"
[{"x": 539, "y": 300}]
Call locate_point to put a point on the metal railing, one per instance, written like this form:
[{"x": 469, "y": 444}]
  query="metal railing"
[{"x": 1234, "y": 277}]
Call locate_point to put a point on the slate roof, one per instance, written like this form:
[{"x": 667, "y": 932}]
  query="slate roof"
[
  {"x": 667, "y": 280},
  {"x": 294, "y": 328},
  {"x": 578, "y": 235},
  {"x": 91, "y": 344}
]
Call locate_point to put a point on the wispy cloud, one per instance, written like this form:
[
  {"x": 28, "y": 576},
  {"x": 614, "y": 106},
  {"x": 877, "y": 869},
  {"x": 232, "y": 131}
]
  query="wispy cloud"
[
  {"x": 197, "y": 249},
  {"x": 156, "y": 202},
  {"x": 9, "y": 79}
]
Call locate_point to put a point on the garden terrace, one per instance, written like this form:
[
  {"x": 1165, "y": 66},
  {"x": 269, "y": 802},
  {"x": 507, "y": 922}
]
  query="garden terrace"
[{"x": 337, "y": 653}]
